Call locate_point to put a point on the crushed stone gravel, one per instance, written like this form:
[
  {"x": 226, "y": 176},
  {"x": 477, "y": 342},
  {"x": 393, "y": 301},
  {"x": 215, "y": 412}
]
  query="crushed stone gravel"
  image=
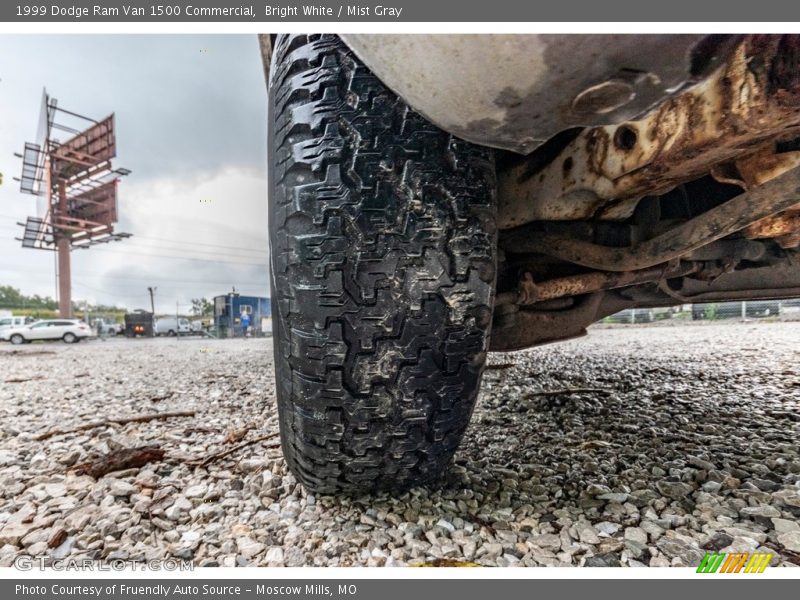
[{"x": 688, "y": 444}]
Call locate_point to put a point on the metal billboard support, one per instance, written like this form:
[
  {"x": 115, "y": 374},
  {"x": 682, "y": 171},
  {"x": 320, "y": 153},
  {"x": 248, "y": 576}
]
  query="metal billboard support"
[{"x": 78, "y": 186}]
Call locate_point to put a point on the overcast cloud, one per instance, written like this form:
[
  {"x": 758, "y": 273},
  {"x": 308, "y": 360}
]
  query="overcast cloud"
[{"x": 190, "y": 116}]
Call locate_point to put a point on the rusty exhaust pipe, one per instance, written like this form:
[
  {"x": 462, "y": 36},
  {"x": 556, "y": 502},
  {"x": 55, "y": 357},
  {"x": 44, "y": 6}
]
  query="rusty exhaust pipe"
[{"x": 530, "y": 292}]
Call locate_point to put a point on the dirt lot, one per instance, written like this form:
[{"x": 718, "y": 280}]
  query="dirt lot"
[{"x": 677, "y": 441}]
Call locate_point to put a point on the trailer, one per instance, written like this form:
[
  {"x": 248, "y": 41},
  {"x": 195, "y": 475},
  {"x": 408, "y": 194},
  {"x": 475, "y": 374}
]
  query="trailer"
[
  {"x": 240, "y": 316},
  {"x": 139, "y": 324}
]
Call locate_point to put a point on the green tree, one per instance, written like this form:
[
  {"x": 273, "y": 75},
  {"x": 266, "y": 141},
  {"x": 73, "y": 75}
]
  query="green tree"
[
  {"x": 11, "y": 297},
  {"x": 202, "y": 307}
]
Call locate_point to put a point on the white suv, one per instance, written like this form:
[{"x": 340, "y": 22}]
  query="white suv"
[
  {"x": 69, "y": 330},
  {"x": 14, "y": 321}
]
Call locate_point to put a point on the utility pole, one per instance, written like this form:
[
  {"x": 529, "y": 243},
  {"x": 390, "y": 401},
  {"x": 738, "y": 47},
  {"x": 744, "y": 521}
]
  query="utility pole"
[
  {"x": 64, "y": 251},
  {"x": 152, "y": 291},
  {"x": 232, "y": 295}
]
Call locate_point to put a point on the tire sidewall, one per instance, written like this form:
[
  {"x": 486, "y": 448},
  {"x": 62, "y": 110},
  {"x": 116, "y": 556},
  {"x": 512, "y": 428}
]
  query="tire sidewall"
[{"x": 280, "y": 337}]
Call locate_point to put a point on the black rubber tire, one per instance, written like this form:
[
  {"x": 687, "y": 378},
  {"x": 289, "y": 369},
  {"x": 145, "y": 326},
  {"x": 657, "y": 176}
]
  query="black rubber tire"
[
  {"x": 383, "y": 250},
  {"x": 70, "y": 338},
  {"x": 17, "y": 339}
]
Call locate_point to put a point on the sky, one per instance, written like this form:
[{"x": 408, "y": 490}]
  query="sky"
[{"x": 190, "y": 114}]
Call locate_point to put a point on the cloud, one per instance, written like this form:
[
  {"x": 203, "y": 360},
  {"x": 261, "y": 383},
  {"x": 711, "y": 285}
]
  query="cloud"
[{"x": 191, "y": 237}]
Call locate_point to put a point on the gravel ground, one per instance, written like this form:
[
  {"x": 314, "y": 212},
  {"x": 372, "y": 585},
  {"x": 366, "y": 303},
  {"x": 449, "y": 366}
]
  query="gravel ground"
[{"x": 686, "y": 442}]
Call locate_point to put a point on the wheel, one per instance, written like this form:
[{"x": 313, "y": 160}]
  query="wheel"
[
  {"x": 17, "y": 339},
  {"x": 171, "y": 333},
  {"x": 70, "y": 338},
  {"x": 383, "y": 250}
]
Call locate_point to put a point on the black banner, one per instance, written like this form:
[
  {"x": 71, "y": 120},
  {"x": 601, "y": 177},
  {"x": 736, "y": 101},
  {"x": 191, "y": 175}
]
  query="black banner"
[
  {"x": 710, "y": 586},
  {"x": 398, "y": 11}
]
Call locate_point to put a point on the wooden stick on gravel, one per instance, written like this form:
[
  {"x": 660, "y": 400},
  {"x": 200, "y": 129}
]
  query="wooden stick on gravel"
[
  {"x": 209, "y": 459},
  {"x": 121, "y": 421},
  {"x": 119, "y": 460},
  {"x": 500, "y": 366},
  {"x": 23, "y": 379},
  {"x": 564, "y": 391}
]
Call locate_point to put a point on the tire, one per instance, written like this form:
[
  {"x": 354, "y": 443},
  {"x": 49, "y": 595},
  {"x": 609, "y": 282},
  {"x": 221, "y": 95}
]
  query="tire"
[
  {"x": 171, "y": 333},
  {"x": 70, "y": 338},
  {"x": 17, "y": 339},
  {"x": 383, "y": 252}
]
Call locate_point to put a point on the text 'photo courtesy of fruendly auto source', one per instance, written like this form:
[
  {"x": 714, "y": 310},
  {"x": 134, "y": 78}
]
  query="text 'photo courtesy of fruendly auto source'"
[{"x": 482, "y": 302}]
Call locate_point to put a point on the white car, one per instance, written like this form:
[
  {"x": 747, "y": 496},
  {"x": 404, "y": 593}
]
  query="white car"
[
  {"x": 10, "y": 322},
  {"x": 172, "y": 326},
  {"x": 107, "y": 327},
  {"x": 69, "y": 330}
]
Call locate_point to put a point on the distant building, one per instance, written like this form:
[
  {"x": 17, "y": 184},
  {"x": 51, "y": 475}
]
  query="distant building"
[{"x": 228, "y": 311}]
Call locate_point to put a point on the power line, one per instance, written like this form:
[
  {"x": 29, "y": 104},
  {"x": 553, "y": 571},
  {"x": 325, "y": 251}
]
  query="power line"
[
  {"x": 180, "y": 244},
  {"x": 136, "y": 236},
  {"x": 150, "y": 279},
  {"x": 105, "y": 292},
  {"x": 265, "y": 253},
  {"x": 190, "y": 258},
  {"x": 213, "y": 252},
  {"x": 258, "y": 254}
]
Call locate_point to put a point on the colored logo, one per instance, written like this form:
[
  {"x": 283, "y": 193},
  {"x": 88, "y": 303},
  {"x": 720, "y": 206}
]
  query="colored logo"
[{"x": 735, "y": 562}]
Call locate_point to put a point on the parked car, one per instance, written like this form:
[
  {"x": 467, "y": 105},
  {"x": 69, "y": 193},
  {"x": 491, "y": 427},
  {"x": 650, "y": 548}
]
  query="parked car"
[
  {"x": 12, "y": 321},
  {"x": 433, "y": 198},
  {"x": 70, "y": 331},
  {"x": 107, "y": 327},
  {"x": 172, "y": 326}
]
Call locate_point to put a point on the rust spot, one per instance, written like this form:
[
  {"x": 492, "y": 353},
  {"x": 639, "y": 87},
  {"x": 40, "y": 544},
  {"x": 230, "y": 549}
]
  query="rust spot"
[
  {"x": 751, "y": 100},
  {"x": 508, "y": 98},
  {"x": 762, "y": 166},
  {"x": 785, "y": 224},
  {"x": 597, "y": 143},
  {"x": 566, "y": 167},
  {"x": 789, "y": 241}
]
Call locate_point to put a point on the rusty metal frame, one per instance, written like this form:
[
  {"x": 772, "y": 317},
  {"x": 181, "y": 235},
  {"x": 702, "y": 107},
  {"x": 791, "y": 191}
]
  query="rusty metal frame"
[
  {"x": 776, "y": 195},
  {"x": 530, "y": 292},
  {"x": 89, "y": 148},
  {"x": 602, "y": 174},
  {"x": 523, "y": 328},
  {"x": 76, "y": 176}
]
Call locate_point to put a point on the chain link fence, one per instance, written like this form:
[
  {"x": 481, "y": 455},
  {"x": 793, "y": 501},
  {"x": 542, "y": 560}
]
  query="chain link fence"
[{"x": 750, "y": 310}]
